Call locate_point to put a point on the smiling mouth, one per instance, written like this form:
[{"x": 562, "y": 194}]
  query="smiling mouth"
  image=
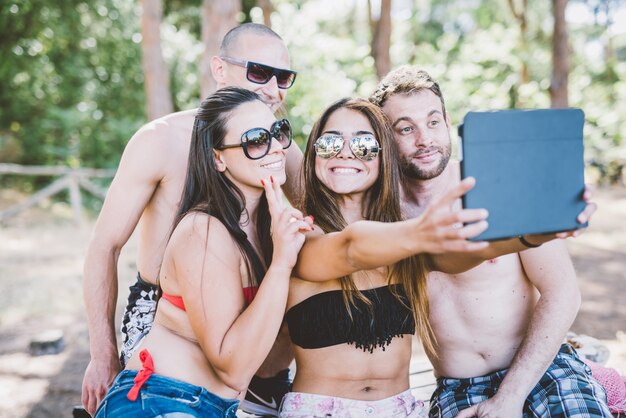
[
  {"x": 425, "y": 155},
  {"x": 274, "y": 165},
  {"x": 345, "y": 170}
]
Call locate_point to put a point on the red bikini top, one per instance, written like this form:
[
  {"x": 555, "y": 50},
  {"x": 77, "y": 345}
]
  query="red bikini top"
[{"x": 248, "y": 294}]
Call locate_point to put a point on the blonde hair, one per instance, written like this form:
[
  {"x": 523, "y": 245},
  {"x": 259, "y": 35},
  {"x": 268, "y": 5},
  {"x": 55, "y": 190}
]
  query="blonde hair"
[{"x": 406, "y": 79}]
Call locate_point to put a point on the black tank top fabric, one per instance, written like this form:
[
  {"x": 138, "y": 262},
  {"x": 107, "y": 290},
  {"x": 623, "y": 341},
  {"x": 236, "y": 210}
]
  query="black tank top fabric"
[{"x": 323, "y": 321}]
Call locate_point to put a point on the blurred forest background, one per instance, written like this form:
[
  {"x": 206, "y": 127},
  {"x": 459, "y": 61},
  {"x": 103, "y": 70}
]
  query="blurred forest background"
[{"x": 78, "y": 78}]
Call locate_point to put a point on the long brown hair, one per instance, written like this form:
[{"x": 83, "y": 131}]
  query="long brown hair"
[
  {"x": 210, "y": 191},
  {"x": 381, "y": 203}
]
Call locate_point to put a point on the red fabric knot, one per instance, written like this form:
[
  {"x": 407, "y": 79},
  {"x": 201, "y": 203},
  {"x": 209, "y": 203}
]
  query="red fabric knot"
[{"x": 143, "y": 375}]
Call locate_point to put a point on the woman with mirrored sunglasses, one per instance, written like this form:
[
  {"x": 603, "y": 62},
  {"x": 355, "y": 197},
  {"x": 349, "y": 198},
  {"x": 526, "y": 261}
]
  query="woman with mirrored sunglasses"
[
  {"x": 225, "y": 273},
  {"x": 350, "y": 317}
]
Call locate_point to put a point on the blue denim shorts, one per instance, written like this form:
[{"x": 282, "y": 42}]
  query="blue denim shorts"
[{"x": 162, "y": 396}]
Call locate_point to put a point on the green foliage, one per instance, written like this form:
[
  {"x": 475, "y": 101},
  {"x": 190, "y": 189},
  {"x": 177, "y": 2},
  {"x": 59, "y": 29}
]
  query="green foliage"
[
  {"x": 71, "y": 78},
  {"x": 475, "y": 50},
  {"x": 71, "y": 83},
  {"x": 184, "y": 15},
  {"x": 332, "y": 58}
]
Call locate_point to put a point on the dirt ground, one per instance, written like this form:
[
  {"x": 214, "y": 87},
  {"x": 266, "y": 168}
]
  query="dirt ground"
[{"x": 41, "y": 256}]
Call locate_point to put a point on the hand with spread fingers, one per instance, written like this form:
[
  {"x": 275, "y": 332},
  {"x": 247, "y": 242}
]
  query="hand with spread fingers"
[
  {"x": 441, "y": 227},
  {"x": 288, "y": 226}
]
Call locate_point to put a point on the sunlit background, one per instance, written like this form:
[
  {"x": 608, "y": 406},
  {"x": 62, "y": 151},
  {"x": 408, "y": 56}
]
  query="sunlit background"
[
  {"x": 72, "y": 93},
  {"x": 72, "y": 82}
]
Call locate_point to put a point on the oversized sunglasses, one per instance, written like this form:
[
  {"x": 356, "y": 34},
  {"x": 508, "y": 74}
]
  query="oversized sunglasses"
[
  {"x": 364, "y": 147},
  {"x": 261, "y": 73},
  {"x": 257, "y": 142}
]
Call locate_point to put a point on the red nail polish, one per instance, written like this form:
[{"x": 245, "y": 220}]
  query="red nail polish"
[
  {"x": 272, "y": 179},
  {"x": 262, "y": 182},
  {"x": 312, "y": 218}
]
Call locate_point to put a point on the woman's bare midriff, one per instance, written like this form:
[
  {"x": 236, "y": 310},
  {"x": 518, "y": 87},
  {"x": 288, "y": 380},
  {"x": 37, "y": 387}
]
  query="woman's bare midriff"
[
  {"x": 177, "y": 356},
  {"x": 347, "y": 372}
]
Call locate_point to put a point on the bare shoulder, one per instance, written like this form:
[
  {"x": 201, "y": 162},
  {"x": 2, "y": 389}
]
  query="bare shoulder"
[
  {"x": 551, "y": 253},
  {"x": 165, "y": 133},
  {"x": 549, "y": 266},
  {"x": 158, "y": 147}
]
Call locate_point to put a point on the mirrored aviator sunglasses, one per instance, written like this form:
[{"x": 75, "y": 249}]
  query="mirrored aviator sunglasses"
[
  {"x": 364, "y": 147},
  {"x": 256, "y": 142}
]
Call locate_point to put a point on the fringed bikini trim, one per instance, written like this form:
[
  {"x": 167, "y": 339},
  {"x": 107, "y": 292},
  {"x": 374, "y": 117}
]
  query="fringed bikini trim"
[{"x": 323, "y": 321}]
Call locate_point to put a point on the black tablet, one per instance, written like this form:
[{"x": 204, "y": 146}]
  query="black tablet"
[{"x": 528, "y": 166}]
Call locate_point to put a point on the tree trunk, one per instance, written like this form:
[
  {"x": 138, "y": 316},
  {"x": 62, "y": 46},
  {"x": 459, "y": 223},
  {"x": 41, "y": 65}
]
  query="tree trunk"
[
  {"x": 519, "y": 13},
  {"x": 156, "y": 74},
  {"x": 266, "y": 6},
  {"x": 218, "y": 17},
  {"x": 560, "y": 56},
  {"x": 381, "y": 39}
]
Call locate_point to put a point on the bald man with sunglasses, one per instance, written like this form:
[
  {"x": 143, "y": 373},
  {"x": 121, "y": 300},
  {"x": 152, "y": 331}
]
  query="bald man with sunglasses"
[{"x": 146, "y": 191}]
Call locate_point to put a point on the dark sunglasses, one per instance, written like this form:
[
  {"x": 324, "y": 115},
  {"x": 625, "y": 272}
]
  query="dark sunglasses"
[
  {"x": 364, "y": 147},
  {"x": 261, "y": 73},
  {"x": 256, "y": 142}
]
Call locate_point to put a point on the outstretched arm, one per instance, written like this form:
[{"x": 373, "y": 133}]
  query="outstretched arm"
[
  {"x": 139, "y": 171},
  {"x": 550, "y": 269},
  {"x": 366, "y": 245},
  {"x": 454, "y": 263}
]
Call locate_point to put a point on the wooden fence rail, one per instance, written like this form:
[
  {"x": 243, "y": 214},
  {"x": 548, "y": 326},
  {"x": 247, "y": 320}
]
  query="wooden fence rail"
[{"x": 72, "y": 179}]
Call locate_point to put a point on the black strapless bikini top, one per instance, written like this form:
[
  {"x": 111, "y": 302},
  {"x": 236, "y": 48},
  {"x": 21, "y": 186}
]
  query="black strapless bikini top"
[{"x": 323, "y": 321}]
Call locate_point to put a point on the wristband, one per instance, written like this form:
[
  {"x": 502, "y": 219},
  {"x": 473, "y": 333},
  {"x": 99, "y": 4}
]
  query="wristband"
[{"x": 526, "y": 243}]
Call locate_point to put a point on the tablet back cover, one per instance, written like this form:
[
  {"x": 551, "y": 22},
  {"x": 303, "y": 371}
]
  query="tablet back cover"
[{"x": 528, "y": 166}]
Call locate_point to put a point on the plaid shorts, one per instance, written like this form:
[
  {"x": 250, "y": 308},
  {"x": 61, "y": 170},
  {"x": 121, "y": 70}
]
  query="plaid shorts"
[
  {"x": 565, "y": 390},
  {"x": 138, "y": 316}
]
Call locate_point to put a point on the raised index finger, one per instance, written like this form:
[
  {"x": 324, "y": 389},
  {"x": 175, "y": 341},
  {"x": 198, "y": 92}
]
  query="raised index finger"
[
  {"x": 274, "y": 196},
  {"x": 270, "y": 195},
  {"x": 278, "y": 192}
]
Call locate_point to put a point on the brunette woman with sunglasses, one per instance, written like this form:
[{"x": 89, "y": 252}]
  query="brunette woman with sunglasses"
[
  {"x": 350, "y": 320},
  {"x": 144, "y": 197},
  {"x": 225, "y": 272}
]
